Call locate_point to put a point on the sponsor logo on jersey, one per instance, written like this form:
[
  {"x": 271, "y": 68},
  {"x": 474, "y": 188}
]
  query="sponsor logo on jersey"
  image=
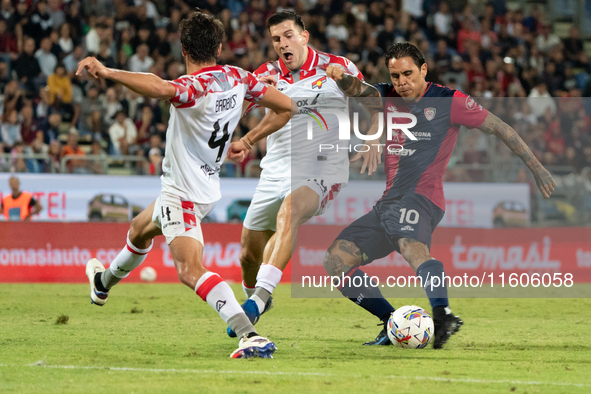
[
  {"x": 392, "y": 108},
  {"x": 471, "y": 104},
  {"x": 317, "y": 117},
  {"x": 318, "y": 83},
  {"x": 171, "y": 224},
  {"x": 407, "y": 228},
  {"x": 429, "y": 113},
  {"x": 422, "y": 135},
  {"x": 316, "y": 100},
  {"x": 399, "y": 150}
]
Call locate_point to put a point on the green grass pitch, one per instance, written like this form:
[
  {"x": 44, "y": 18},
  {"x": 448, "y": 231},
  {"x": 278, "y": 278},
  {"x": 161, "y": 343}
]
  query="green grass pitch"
[{"x": 156, "y": 338}]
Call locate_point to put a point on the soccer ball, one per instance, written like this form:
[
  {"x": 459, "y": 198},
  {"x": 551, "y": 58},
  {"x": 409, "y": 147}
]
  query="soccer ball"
[
  {"x": 410, "y": 327},
  {"x": 148, "y": 274}
]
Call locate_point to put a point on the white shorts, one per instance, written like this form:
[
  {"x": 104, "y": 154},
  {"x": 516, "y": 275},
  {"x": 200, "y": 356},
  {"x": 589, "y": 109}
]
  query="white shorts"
[
  {"x": 177, "y": 217},
  {"x": 270, "y": 193}
]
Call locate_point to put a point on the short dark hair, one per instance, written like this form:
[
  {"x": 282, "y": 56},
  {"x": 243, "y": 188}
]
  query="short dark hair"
[
  {"x": 283, "y": 16},
  {"x": 405, "y": 49},
  {"x": 201, "y": 36}
]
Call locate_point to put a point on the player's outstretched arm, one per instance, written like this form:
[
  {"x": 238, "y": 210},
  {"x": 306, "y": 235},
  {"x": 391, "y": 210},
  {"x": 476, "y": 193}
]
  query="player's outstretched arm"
[
  {"x": 145, "y": 84},
  {"x": 350, "y": 84},
  {"x": 282, "y": 108},
  {"x": 495, "y": 126}
]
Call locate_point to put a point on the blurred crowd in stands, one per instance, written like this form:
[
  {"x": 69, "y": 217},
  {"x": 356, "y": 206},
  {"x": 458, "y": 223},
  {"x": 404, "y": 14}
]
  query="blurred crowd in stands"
[{"x": 480, "y": 47}]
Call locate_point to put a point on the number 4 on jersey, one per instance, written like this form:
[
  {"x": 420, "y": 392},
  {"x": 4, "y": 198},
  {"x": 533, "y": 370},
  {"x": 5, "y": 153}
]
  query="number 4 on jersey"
[{"x": 221, "y": 143}]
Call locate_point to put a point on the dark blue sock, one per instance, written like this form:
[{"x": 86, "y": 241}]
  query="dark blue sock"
[
  {"x": 365, "y": 293},
  {"x": 432, "y": 274}
]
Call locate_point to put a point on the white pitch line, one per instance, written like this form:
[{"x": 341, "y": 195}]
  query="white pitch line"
[
  {"x": 211, "y": 371},
  {"x": 470, "y": 380}
]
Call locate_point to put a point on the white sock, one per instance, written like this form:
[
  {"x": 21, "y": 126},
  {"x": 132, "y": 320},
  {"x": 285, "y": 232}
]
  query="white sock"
[
  {"x": 268, "y": 277},
  {"x": 128, "y": 259},
  {"x": 212, "y": 289},
  {"x": 249, "y": 291}
]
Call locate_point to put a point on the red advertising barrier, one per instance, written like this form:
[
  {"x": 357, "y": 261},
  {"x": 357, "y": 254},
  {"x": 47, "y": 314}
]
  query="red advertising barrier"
[
  {"x": 57, "y": 252},
  {"x": 469, "y": 251}
]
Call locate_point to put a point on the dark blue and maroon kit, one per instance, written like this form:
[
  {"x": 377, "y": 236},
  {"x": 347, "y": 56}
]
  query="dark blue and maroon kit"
[{"x": 413, "y": 203}]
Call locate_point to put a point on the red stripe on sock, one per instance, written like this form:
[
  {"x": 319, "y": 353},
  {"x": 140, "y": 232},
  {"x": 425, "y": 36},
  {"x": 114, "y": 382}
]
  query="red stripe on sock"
[
  {"x": 209, "y": 284},
  {"x": 349, "y": 273},
  {"x": 133, "y": 251},
  {"x": 248, "y": 287}
]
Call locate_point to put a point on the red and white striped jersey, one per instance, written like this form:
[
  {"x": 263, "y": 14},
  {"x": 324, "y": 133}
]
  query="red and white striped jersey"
[
  {"x": 203, "y": 115},
  {"x": 312, "y": 92}
]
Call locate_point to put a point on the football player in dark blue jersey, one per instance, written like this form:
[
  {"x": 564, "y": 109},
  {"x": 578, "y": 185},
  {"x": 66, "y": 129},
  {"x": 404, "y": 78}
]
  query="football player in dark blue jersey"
[{"x": 413, "y": 203}]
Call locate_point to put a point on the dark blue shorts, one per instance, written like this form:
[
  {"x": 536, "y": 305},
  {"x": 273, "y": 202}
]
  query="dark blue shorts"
[{"x": 377, "y": 233}]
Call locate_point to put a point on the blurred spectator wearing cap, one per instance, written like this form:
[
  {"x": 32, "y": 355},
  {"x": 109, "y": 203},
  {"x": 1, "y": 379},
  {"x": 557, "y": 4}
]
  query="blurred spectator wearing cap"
[{"x": 123, "y": 134}]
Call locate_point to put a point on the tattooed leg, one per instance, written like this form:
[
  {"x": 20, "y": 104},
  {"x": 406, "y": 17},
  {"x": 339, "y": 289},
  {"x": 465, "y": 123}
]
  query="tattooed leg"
[
  {"x": 342, "y": 261},
  {"x": 341, "y": 257}
]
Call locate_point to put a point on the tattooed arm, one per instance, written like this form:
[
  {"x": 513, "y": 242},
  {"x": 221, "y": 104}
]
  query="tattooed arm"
[
  {"x": 495, "y": 126},
  {"x": 368, "y": 96}
]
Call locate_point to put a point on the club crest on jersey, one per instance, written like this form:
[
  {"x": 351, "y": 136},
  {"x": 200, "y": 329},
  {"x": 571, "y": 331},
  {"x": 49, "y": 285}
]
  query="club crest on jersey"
[
  {"x": 318, "y": 83},
  {"x": 430, "y": 113}
]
